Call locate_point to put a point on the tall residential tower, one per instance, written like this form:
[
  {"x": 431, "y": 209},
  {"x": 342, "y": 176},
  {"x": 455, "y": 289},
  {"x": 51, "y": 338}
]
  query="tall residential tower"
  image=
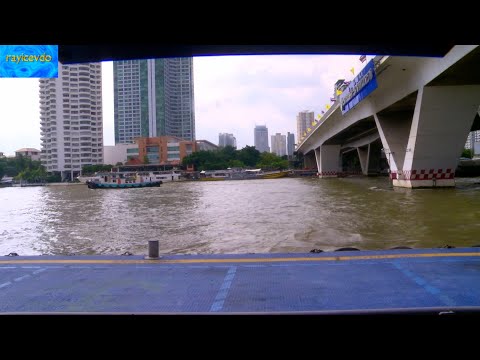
[
  {"x": 304, "y": 120},
  {"x": 71, "y": 127},
  {"x": 290, "y": 144},
  {"x": 153, "y": 98},
  {"x": 279, "y": 144},
  {"x": 225, "y": 139}
]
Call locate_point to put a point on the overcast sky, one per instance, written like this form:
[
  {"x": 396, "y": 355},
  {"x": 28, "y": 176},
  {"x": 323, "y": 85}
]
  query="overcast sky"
[{"x": 232, "y": 94}]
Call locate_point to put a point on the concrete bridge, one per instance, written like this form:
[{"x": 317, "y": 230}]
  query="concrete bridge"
[{"x": 418, "y": 116}]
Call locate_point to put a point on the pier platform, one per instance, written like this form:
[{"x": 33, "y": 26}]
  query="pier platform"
[{"x": 338, "y": 282}]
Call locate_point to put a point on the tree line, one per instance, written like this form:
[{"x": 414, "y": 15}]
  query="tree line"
[
  {"x": 229, "y": 157},
  {"x": 23, "y": 168}
]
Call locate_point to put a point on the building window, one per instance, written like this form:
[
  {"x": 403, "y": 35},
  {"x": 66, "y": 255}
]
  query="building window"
[{"x": 152, "y": 149}]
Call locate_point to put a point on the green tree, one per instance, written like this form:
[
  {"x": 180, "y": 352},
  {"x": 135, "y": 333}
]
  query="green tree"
[
  {"x": 236, "y": 164},
  {"x": 2, "y": 167},
  {"x": 249, "y": 156},
  {"x": 223, "y": 158},
  {"x": 467, "y": 153},
  {"x": 145, "y": 159},
  {"x": 228, "y": 153},
  {"x": 24, "y": 168},
  {"x": 37, "y": 174},
  {"x": 298, "y": 161},
  {"x": 54, "y": 177},
  {"x": 269, "y": 161}
]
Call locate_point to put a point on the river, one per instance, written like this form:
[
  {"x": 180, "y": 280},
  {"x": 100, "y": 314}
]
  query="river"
[{"x": 245, "y": 216}]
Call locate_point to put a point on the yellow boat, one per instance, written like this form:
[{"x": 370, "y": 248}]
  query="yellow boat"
[
  {"x": 274, "y": 175},
  {"x": 219, "y": 175},
  {"x": 211, "y": 179}
]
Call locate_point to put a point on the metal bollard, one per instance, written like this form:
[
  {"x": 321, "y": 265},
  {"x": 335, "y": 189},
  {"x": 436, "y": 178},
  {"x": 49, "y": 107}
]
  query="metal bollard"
[{"x": 153, "y": 250}]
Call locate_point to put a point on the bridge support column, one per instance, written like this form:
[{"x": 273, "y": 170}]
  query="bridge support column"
[
  {"x": 437, "y": 132},
  {"x": 309, "y": 161},
  {"x": 364, "y": 156},
  {"x": 394, "y": 129},
  {"x": 328, "y": 160}
]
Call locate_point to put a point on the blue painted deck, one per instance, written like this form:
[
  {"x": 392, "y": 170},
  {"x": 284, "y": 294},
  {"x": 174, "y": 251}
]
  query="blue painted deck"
[{"x": 254, "y": 283}]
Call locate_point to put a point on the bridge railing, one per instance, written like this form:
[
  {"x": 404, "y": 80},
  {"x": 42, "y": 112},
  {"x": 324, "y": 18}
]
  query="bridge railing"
[{"x": 378, "y": 61}]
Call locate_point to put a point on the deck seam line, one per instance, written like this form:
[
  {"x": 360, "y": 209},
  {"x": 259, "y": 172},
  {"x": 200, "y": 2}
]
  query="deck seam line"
[
  {"x": 424, "y": 284},
  {"x": 223, "y": 291}
]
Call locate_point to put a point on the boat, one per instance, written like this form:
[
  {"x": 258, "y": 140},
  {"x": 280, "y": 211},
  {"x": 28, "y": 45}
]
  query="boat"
[
  {"x": 6, "y": 181},
  {"x": 242, "y": 175},
  {"x": 260, "y": 174},
  {"x": 121, "y": 180},
  {"x": 274, "y": 175},
  {"x": 163, "y": 176},
  {"x": 85, "y": 179},
  {"x": 214, "y": 175},
  {"x": 248, "y": 174}
]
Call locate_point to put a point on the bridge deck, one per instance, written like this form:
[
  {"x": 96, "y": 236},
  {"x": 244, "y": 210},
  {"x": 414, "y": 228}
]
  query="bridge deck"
[{"x": 255, "y": 283}]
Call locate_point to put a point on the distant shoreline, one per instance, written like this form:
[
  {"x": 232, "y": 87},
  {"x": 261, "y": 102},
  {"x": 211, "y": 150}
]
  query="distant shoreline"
[{"x": 64, "y": 184}]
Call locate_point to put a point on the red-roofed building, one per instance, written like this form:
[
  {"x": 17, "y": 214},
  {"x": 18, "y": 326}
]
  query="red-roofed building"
[{"x": 32, "y": 153}]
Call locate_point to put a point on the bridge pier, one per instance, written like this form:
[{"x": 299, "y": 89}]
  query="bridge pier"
[
  {"x": 370, "y": 158},
  {"x": 423, "y": 148},
  {"x": 309, "y": 161},
  {"x": 364, "y": 156},
  {"x": 328, "y": 161}
]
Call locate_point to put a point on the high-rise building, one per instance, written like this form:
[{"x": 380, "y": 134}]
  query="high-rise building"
[
  {"x": 304, "y": 120},
  {"x": 153, "y": 98},
  {"x": 225, "y": 139},
  {"x": 472, "y": 138},
  {"x": 71, "y": 124},
  {"x": 205, "y": 145},
  {"x": 290, "y": 144},
  {"x": 279, "y": 144},
  {"x": 261, "y": 138}
]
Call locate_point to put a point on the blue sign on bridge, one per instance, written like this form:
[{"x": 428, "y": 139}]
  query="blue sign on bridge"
[{"x": 359, "y": 88}]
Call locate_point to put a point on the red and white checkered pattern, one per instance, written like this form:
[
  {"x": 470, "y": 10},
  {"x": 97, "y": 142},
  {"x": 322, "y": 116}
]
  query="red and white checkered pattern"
[
  {"x": 424, "y": 174},
  {"x": 328, "y": 173}
]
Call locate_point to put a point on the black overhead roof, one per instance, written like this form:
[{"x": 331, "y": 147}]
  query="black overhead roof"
[{"x": 107, "y": 52}]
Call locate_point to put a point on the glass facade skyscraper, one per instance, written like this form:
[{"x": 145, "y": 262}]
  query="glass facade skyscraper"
[
  {"x": 152, "y": 98},
  {"x": 261, "y": 138}
]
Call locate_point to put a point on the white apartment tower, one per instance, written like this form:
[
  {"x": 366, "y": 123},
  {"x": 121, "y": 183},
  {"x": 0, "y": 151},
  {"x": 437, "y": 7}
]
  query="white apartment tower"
[
  {"x": 71, "y": 123},
  {"x": 225, "y": 139}
]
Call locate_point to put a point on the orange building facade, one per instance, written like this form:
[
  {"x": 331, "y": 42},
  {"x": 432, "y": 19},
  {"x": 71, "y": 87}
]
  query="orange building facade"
[{"x": 164, "y": 150}]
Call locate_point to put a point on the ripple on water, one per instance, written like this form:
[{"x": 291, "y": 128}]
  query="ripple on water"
[{"x": 284, "y": 215}]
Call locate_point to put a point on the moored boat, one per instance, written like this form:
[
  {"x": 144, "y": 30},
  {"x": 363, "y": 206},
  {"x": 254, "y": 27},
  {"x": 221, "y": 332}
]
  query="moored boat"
[
  {"x": 163, "y": 176},
  {"x": 248, "y": 174},
  {"x": 273, "y": 175},
  {"x": 121, "y": 181},
  {"x": 214, "y": 175}
]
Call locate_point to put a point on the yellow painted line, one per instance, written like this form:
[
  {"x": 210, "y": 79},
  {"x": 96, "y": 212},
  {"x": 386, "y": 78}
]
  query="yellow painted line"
[{"x": 242, "y": 260}]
